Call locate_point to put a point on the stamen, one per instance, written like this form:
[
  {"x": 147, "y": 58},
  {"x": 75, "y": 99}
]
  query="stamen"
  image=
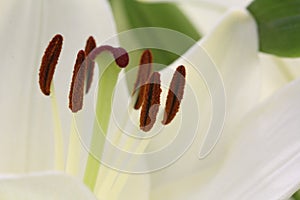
[
  {"x": 49, "y": 62},
  {"x": 144, "y": 73},
  {"x": 175, "y": 95},
  {"x": 120, "y": 54},
  {"x": 77, "y": 85},
  {"x": 90, "y": 45},
  {"x": 151, "y": 102}
]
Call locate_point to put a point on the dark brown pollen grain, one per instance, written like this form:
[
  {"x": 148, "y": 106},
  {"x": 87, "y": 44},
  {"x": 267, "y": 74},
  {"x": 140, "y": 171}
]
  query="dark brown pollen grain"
[
  {"x": 77, "y": 85},
  {"x": 49, "y": 62},
  {"x": 151, "y": 102},
  {"x": 175, "y": 95},
  {"x": 89, "y": 47},
  {"x": 144, "y": 72}
]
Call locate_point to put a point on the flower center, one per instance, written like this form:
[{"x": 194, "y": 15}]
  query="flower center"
[{"x": 147, "y": 87}]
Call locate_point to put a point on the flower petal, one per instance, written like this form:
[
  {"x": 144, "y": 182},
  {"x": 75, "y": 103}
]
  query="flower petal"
[
  {"x": 233, "y": 46},
  {"x": 46, "y": 186},
  {"x": 26, "y": 115},
  {"x": 264, "y": 161},
  {"x": 204, "y": 18},
  {"x": 277, "y": 72},
  {"x": 20, "y": 89}
]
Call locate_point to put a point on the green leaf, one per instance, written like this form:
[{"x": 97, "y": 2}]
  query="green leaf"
[
  {"x": 278, "y": 26},
  {"x": 130, "y": 14}
]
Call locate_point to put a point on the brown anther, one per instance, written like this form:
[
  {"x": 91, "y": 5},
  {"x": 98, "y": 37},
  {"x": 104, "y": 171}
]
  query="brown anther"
[
  {"x": 77, "y": 85},
  {"x": 151, "y": 102},
  {"x": 144, "y": 72},
  {"x": 89, "y": 47},
  {"x": 49, "y": 62},
  {"x": 120, "y": 55},
  {"x": 175, "y": 95}
]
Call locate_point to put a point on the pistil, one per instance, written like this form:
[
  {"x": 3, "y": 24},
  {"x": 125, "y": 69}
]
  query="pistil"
[{"x": 108, "y": 79}]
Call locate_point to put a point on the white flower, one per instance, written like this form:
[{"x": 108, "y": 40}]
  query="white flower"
[{"x": 256, "y": 157}]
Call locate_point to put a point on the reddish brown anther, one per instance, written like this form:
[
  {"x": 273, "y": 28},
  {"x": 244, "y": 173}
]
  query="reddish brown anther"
[
  {"x": 144, "y": 72},
  {"x": 151, "y": 102},
  {"x": 49, "y": 62},
  {"x": 77, "y": 85},
  {"x": 89, "y": 47},
  {"x": 175, "y": 95}
]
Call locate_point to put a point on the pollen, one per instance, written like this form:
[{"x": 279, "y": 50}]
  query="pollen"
[
  {"x": 175, "y": 95},
  {"x": 151, "y": 102},
  {"x": 89, "y": 47},
  {"x": 144, "y": 72},
  {"x": 77, "y": 85},
  {"x": 49, "y": 62}
]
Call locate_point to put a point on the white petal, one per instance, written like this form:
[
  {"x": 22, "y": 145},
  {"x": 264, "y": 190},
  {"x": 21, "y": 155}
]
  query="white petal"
[
  {"x": 136, "y": 188},
  {"x": 264, "y": 161},
  {"x": 277, "y": 72},
  {"x": 274, "y": 75},
  {"x": 26, "y": 28},
  {"x": 19, "y": 86},
  {"x": 292, "y": 66},
  {"x": 232, "y": 45},
  {"x": 203, "y": 18},
  {"x": 46, "y": 186},
  {"x": 262, "y": 164}
]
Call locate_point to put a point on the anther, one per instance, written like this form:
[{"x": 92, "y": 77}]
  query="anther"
[
  {"x": 77, "y": 85},
  {"x": 49, "y": 62},
  {"x": 90, "y": 45},
  {"x": 120, "y": 55},
  {"x": 144, "y": 73},
  {"x": 151, "y": 102},
  {"x": 175, "y": 95}
]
